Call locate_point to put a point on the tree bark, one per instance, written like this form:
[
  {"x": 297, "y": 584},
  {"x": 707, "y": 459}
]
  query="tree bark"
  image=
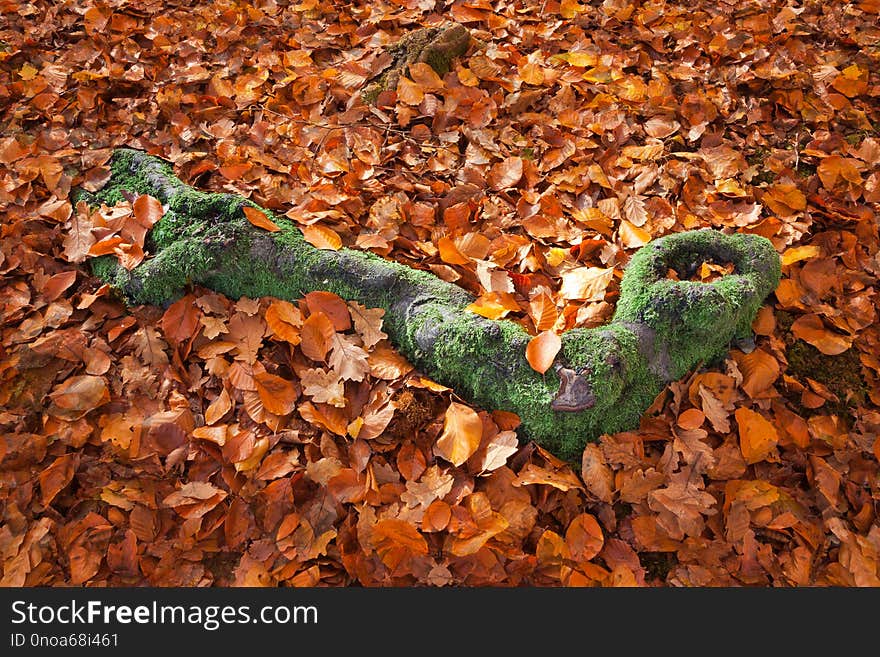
[{"x": 603, "y": 378}]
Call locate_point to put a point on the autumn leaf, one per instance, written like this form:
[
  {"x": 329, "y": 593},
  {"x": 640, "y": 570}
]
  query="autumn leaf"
[
  {"x": 181, "y": 320},
  {"x": 586, "y": 283},
  {"x": 55, "y": 477},
  {"x": 584, "y": 537},
  {"x": 757, "y": 437},
  {"x": 277, "y": 394},
  {"x": 348, "y": 359},
  {"x": 324, "y": 387},
  {"x": 218, "y": 408},
  {"x": 596, "y": 474},
  {"x": 284, "y": 321},
  {"x": 331, "y": 305},
  {"x": 78, "y": 395},
  {"x": 542, "y": 349},
  {"x": 367, "y": 323},
  {"x": 493, "y": 305},
  {"x": 760, "y": 370},
  {"x": 322, "y": 237},
  {"x": 811, "y": 329},
  {"x": 317, "y": 334},
  {"x": 506, "y": 173},
  {"x": 259, "y": 219},
  {"x": 462, "y": 432}
]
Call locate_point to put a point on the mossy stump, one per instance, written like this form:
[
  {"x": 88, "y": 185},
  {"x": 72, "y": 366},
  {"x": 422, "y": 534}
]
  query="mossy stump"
[
  {"x": 435, "y": 46},
  {"x": 603, "y": 378}
]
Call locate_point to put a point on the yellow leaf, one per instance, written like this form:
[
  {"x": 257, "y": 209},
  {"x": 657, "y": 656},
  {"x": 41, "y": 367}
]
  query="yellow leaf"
[
  {"x": 579, "y": 59},
  {"x": 587, "y": 283},
  {"x": 494, "y": 305},
  {"x": 631, "y": 236},
  {"x": 462, "y": 432},
  {"x": 798, "y": 253}
]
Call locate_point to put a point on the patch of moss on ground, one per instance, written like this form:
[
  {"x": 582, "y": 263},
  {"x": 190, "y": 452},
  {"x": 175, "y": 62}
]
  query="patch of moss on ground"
[{"x": 841, "y": 374}]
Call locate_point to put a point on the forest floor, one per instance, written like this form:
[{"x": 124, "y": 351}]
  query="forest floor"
[{"x": 203, "y": 444}]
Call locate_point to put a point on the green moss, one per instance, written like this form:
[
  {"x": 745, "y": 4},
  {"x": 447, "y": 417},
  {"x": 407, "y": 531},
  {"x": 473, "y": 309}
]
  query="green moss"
[
  {"x": 841, "y": 374},
  {"x": 661, "y": 329}
]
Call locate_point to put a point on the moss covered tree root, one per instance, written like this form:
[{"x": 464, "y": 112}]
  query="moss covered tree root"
[{"x": 603, "y": 378}]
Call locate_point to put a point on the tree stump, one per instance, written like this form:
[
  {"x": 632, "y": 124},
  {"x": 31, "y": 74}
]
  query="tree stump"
[
  {"x": 435, "y": 46},
  {"x": 603, "y": 378}
]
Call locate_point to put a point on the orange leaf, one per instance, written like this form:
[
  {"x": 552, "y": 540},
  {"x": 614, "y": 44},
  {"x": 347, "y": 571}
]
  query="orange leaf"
[
  {"x": 58, "y": 283},
  {"x": 218, "y": 408},
  {"x": 57, "y": 476},
  {"x": 437, "y": 516},
  {"x": 692, "y": 418},
  {"x": 277, "y": 394},
  {"x": 811, "y": 329},
  {"x": 759, "y": 370},
  {"x": 450, "y": 253},
  {"x": 77, "y": 396},
  {"x": 506, "y": 173},
  {"x": 399, "y": 533},
  {"x": 462, "y": 432},
  {"x": 331, "y": 305},
  {"x": 757, "y": 437},
  {"x": 493, "y": 305},
  {"x": 584, "y": 537},
  {"x": 542, "y": 349},
  {"x": 317, "y": 334},
  {"x": 284, "y": 320},
  {"x": 543, "y": 312},
  {"x": 259, "y": 219},
  {"x": 834, "y": 169},
  {"x": 798, "y": 253},
  {"x": 181, "y": 320},
  {"x": 322, "y": 237},
  {"x": 147, "y": 210},
  {"x": 597, "y": 476},
  {"x": 631, "y": 236},
  {"x": 409, "y": 92}
]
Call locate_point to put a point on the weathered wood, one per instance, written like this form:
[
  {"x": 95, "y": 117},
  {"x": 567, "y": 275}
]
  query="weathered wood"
[{"x": 603, "y": 378}]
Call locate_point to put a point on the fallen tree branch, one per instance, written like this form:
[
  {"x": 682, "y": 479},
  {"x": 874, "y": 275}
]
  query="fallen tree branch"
[{"x": 603, "y": 378}]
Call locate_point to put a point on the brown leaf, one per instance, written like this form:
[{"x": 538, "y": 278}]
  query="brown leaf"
[
  {"x": 586, "y": 283},
  {"x": 367, "y": 323},
  {"x": 218, "y": 408},
  {"x": 505, "y": 174},
  {"x": 77, "y": 396},
  {"x": 760, "y": 370},
  {"x": 596, "y": 474},
  {"x": 57, "y": 476},
  {"x": 181, "y": 320},
  {"x": 284, "y": 321}
]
